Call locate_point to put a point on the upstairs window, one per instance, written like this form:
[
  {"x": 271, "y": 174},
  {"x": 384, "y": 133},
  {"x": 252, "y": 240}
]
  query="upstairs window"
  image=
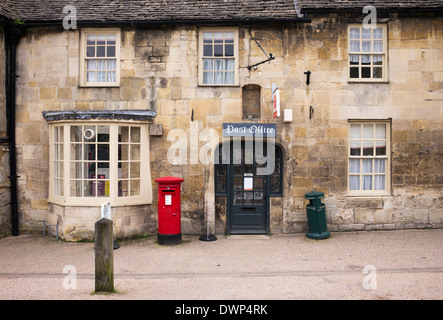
[
  {"x": 218, "y": 57},
  {"x": 100, "y": 58},
  {"x": 367, "y": 48}
]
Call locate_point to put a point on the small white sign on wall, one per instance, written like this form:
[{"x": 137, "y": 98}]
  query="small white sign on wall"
[{"x": 106, "y": 210}]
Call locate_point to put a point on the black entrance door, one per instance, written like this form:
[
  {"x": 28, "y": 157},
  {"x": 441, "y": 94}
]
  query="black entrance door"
[{"x": 248, "y": 191}]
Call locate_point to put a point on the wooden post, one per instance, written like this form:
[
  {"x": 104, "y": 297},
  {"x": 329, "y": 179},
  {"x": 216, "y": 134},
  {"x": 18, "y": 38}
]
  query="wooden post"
[{"x": 104, "y": 256}]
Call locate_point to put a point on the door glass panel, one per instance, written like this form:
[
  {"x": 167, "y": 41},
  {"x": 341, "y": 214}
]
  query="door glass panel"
[
  {"x": 238, "y": 198},
  {"x": 238, "y": 183},
  {"x": 258, "y": 184},
  {"x": 247, "y": 198}
]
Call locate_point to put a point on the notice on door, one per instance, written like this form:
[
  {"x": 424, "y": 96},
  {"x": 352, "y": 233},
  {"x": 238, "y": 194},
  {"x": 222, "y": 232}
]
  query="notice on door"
[
  {"x": 168, "y": 200},
  {"x": 248, "y": 181}
]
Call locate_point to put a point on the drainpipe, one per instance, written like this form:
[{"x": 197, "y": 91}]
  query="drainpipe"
[{"x": 13, "y": 34}]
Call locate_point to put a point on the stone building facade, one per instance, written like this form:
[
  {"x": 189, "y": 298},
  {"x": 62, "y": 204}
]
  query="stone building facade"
[{"x": 366, "y": 130}]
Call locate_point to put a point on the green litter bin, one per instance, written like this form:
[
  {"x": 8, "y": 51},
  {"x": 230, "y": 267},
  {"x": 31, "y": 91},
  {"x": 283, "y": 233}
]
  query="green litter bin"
[{"x": 316, "y": 211}]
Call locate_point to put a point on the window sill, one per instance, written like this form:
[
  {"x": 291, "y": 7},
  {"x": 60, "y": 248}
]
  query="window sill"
[
  {"x": 219, "y": 85},
  {"x": 107, "y": 85},
  {"x": 369, "y": 81}
]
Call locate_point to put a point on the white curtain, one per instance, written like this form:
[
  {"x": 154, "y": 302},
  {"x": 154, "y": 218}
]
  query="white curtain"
[
  {"x": 354, "y": 181},
  {"x": 218, "y": 71},
  {"x": 230, "y": 65},
  {"x": 379, "y": 180},
  {"x": 111, "y": 70},
  {"x": 378, "y": 46}
]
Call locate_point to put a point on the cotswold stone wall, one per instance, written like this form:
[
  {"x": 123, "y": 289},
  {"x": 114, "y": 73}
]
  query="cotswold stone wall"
[
  {"x": 159, "y": 71},
  {"x": 5, "y": 209}
]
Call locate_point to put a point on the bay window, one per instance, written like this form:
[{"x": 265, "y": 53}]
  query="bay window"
[{"x": 94, "y": 162}]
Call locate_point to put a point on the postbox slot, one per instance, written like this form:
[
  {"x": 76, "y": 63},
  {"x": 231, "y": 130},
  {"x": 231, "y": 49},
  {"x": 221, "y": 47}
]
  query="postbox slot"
[{"x": 168, "y": 190}]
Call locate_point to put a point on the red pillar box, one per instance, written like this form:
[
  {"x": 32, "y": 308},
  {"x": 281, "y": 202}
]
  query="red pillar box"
[{"x": 169, "y": 210}]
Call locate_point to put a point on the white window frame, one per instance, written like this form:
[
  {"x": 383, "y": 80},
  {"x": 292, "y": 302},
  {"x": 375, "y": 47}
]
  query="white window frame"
[
  {"x": 200, "y": 56},
  {"x": 83, "y": 57},
  {"x": 66, "y": 199},
  {"x": 370, "y": 53},
  {"x": 387, "y": 158}
]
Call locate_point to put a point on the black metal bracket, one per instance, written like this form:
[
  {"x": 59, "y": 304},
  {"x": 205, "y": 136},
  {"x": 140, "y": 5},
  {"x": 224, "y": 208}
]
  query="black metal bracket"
[
  {"x": 308, "y": 77},
  {"x": 269, "y": 58}
]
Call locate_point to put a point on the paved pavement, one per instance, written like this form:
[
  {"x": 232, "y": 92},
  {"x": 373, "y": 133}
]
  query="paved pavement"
[{"x": 350, "y": 265}]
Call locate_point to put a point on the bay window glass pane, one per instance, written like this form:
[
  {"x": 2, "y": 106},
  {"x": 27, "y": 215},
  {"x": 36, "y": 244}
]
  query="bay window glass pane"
[
  {"x": 135, "y": 187},
  {"x": 89, "y": 189},
  {"x": 76, "y": 133},
  {"x": 76, "y": 170},
  {"x": 89, "y": 152},
  {"x": 123, "y": 135},
  {"x": 103, "y": 152},
  {"x": 134, "y": 170},
  {"x": 89, "y": 133},
  {"x": 123, "y": 152},
  {"x": 123, "y": 188},
  {"x": 135, "y": 152},
  {"x": 135, "y": 134},
  {"x": 76, "y": 188},
  {"x": 76, "y": 151},
  {"x": 124, "y": 170}
]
